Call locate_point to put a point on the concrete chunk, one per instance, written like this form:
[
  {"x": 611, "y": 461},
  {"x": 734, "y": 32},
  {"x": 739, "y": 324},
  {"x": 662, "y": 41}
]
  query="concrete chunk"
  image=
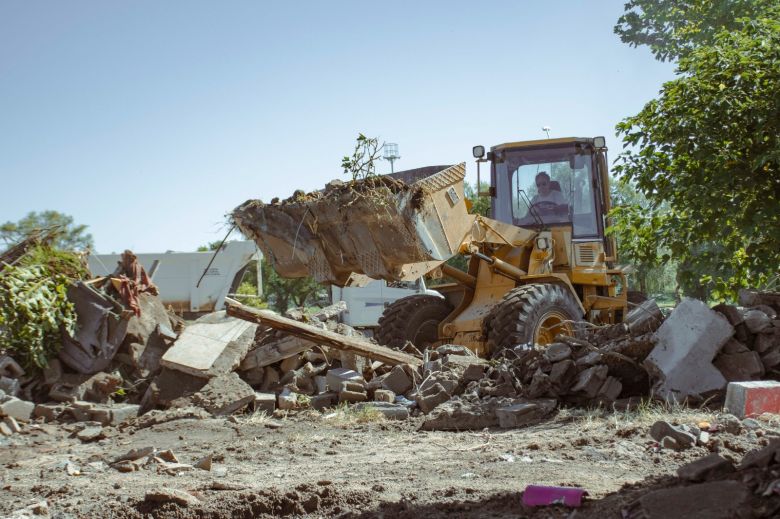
[
  {"x": 524, "y": 413},
  {"x": 338, "y": 375},
  {"x": 224, "y": 395},
  {"x": 388, "y": 410},
  {"x": 740, "y": 366},
  {"x": 207, "y": 350},
  {"x": 397, "y": 381},
  {"x": 590, "y": 381},
  {"x": 19, "y": 409},
  {"x": 686, "y": 344}
]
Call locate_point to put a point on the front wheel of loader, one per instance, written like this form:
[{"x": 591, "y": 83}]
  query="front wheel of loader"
[
  {"x": 415, "y": 319},
  {"x": 532, "y": 314}
]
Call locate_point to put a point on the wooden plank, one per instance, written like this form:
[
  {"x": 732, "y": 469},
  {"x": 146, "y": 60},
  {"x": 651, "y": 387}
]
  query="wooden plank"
[{"x": 362, "y": 347}]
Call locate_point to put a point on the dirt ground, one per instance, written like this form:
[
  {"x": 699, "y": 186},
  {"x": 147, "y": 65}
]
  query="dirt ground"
[{"x": 348, "y": 464}]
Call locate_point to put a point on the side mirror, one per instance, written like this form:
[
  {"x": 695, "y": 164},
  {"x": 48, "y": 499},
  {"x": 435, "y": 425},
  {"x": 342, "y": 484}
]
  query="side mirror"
[{"x": 478, "y": 152}]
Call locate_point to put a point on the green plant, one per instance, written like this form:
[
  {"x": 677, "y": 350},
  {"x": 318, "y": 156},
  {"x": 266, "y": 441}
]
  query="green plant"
[
  {"x": 34, "y": 310},
  {"x": 361, "y": 164}
]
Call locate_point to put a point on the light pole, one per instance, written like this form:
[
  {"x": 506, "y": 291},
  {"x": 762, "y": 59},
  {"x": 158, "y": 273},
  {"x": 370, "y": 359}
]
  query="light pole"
[{"x": 391, "y": 154}]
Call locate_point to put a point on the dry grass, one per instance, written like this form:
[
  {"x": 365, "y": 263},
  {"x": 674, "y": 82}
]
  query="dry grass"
[
  {"x": 345, "y": 415},
  {"x": 646, "y": 414}
]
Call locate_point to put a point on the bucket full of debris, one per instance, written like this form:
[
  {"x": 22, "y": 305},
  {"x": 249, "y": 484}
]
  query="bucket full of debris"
[{"x": 380, "y": 227}]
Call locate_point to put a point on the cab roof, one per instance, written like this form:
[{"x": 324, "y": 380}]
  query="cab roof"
[{"x": 542, "y": 142}]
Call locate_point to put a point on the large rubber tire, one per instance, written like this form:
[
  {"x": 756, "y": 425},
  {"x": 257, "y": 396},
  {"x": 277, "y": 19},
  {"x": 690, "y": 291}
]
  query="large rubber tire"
[
  {"x": 415, "y": 319},
  {"x": 532, "y": 314}
]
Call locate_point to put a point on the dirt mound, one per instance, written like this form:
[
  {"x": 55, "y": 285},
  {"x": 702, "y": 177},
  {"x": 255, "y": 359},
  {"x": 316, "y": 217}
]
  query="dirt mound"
[{"x": 317, "y": 499}]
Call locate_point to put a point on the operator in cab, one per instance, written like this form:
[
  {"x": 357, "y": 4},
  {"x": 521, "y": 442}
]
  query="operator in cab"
[{"x": 547, "y": 199}]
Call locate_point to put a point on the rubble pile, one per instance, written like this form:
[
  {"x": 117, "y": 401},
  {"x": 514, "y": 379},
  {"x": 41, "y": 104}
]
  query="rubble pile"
[
  {"x": 131, "y": 357},
  {"x": 715, "y": 486}
]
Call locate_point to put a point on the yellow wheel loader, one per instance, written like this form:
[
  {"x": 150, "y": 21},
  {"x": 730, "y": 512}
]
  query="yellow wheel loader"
[{"x": 538, "y": 266}]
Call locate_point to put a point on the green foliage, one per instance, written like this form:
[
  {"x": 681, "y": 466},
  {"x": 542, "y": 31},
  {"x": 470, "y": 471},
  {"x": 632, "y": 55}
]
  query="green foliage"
[
  {"x": 69, "y": 237},
  {"x": 361, "y": 164},
  {"x": 279, "y": 292},
  {"x": 479, "y": 204},
  {"x": 33, "y": 310},
  {"x": 674, "y": 28},
  {"x": 709, "y": 146},
  {"x": 248, "y": 291},
  {"x": 212, "y": 246}
]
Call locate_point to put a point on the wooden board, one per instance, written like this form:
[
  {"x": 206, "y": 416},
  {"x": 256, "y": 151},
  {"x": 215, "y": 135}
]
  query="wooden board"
[{"x": 356, "y": 345}]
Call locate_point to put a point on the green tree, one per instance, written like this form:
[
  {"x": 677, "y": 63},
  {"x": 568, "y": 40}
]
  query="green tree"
[
  {"x": 280, "y": 293},
  {"x": 709, "y": 146},
  {"x": 674, "y": 28},
  {"x": 69, "y": 236}
]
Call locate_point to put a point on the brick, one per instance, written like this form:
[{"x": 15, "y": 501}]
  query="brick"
[
  {"x": 687, "y": 342},
  {"x": 752, "y": 398},
  {"x": 338, "y": 375},
  {"x": 19, "y": 409},
  {"x": 384, "y": 395},
  {"x": 352, "y": 396},
  {"x": 321, "y": 384},
  {"x": 356, "y": 387},
  {"x": 705, "y": 468},
  {"x": 265, "y": 402}
]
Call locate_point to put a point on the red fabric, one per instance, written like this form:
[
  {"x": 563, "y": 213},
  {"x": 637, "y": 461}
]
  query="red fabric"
[{"x": 133, "y": 281}]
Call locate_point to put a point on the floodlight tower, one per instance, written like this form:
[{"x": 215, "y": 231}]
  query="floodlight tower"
[{"x": 391, "y": 154}]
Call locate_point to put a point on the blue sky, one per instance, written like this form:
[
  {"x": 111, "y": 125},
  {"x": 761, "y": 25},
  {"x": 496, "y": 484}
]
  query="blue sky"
[{"x": 149, "y": 121}]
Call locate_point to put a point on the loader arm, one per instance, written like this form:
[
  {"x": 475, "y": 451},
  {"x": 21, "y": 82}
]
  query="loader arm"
[{"x": 378, "y": 228}]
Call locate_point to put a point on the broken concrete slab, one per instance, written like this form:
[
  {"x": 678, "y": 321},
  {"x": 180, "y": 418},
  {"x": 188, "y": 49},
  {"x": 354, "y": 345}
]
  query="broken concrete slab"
[
  {"x": 16, "y": 408},
  {"x": 208, "y": 350},
  {"x": 687, "y": 342},
  {"x": 590, "y": 380},
  {"x": 457, "y": 415},
  {"x": 524, "y": 413},
  {"x": 757, "y": 321},
  {"x": 661, "y": 430},
  {"x": 223, "y": 395}
]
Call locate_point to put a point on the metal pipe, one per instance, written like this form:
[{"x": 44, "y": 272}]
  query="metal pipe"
[{"x": 459, "y": 276}]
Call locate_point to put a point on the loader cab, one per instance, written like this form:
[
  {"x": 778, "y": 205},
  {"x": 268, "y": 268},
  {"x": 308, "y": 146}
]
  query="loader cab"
[{"x": 551, "y": 183}]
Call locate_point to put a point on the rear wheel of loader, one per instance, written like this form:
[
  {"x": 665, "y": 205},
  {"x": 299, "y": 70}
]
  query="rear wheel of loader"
[
  {"x": 415, "y": 319},
  {"x": 532, "y": 314}
]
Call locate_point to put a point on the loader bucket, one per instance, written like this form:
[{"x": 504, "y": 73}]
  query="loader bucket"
[{"x": 380, "y": 227}]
